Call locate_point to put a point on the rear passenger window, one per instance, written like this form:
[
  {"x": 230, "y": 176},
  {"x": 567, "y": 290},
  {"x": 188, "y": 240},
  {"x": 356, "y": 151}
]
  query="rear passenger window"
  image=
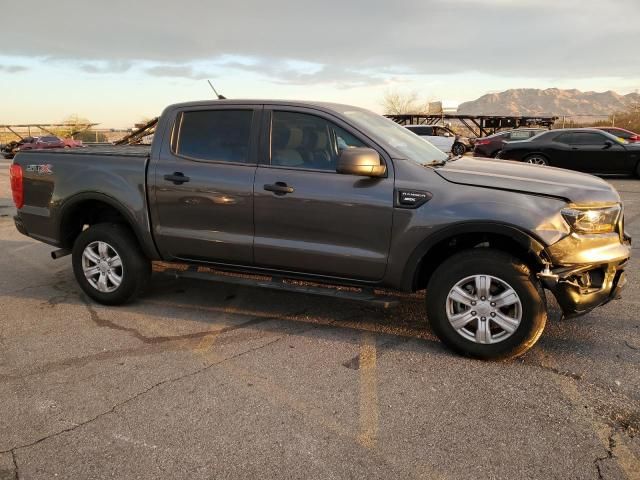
[
  {"x": 215, "y": 135},
  {"x": 524, "y": 135},
  {"x": 299, "y": 140}
]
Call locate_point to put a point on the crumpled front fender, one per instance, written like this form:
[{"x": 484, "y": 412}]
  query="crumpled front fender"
[{"x": 586, "y": 271}]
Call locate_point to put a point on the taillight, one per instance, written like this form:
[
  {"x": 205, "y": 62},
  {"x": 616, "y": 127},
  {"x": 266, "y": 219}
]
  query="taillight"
[
  {"x": 17, "y": 185},
  {"x": 482, "y": 141}
]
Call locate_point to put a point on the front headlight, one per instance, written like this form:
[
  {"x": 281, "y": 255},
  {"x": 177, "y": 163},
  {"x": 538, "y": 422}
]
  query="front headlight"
[{"x": 592, "y": 220}]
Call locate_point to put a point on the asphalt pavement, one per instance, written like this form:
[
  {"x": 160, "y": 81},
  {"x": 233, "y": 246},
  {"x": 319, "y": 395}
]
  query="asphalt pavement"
[{"x": 205, "y": 380}]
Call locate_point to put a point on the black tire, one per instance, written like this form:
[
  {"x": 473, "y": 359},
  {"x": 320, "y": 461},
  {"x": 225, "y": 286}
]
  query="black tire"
[
  {"x": 134, "y": 271},
  {"x": 536, "y": 159},
  {"x": 458, "y": 149},
  {"x": 496, "y": 154},
  {"x": 485, "y": 261}
]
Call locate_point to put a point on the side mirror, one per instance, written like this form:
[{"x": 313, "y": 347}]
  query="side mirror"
[
  {"x": 608, "y": 144},
  {"x": 361, "y": 161},
  {"x": 447, "y": 134}
]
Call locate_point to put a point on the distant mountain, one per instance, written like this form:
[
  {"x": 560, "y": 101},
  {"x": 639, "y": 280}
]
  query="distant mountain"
[{"x": 552, "y": 101}]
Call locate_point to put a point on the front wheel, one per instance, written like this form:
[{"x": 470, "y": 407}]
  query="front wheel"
[
  {"x": 108, "y": 263},
  {"x": 486, "y": 304},
  {"x": 536, "y": 160},
  {"x": 458, "y": 149}
]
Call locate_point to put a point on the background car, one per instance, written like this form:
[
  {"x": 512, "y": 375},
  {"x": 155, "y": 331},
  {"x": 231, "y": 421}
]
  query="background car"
[
  {"x": 41, "y": 143},
  {"x": 38, "y": 143},
  {"x": 627, "y": 135},
  {"x": 72, "y": 143},
  {"x": 443, "y": 138},
  {"x": 489, "y": 146},
  {"x": 583, "y": 149}
]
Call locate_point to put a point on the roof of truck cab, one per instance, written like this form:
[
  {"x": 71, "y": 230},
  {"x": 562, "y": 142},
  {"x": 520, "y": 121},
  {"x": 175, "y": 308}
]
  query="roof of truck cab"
[{"x": 337, "y": 107}]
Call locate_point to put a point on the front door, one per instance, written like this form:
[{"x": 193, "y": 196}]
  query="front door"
[
  {"x": 594, "y": 152},
  {"x": 203, "y": 206},
  {"x": 308, "y": 218},
  {"x": 442, "y": 138}
]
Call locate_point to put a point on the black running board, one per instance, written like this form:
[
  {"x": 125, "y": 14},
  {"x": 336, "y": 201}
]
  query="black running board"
[{"x": 367, "y": 295}]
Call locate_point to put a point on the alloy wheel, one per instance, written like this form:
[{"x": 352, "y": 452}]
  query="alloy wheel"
[
  {"x": 484, "y": 309},
  {"x": 102, "y": 266},
  {"x": 537, "y": 160},
  {"x": 458, "y": 149}
]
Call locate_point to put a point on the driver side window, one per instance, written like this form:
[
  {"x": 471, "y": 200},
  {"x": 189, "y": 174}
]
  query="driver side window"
[{"x": 300, "y": 140}]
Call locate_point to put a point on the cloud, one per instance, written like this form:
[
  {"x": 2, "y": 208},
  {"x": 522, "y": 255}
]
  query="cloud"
[
  {"x": 111, "y": 66},
  {"x": 176, "y": 71},
  {"x": 13, "y": 68},
  {"x": 287, "y": 72},
  {"x": 353, "y": 43}
]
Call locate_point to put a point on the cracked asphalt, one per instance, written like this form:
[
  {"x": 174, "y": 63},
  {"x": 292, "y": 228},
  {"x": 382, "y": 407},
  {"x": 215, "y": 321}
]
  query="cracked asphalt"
[{"x": 205, "y": 380}]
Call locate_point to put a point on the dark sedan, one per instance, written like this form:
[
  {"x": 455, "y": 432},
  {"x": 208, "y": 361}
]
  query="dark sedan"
[
  {"x": 582, "y": 149},
  {"x": 491, "y": 145}
]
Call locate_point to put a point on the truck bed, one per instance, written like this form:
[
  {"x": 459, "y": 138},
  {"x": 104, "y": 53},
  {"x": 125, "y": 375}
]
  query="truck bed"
[
  {"x": 119, "y": 150},
  {"x": 56, "y": 179}
]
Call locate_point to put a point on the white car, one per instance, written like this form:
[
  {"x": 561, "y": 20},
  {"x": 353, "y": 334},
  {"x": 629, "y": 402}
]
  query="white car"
[{"x": 441, "y": 137}]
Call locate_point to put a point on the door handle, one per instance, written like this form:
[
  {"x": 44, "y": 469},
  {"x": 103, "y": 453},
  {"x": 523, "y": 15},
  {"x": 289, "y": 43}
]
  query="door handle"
[
  {"x": 177, "y": 178},
  {"x": 279, "y": 188}
]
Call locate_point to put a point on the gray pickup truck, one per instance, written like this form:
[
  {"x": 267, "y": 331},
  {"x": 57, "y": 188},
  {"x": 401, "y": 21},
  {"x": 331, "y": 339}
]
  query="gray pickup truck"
[{"x": 326, "y": 194}]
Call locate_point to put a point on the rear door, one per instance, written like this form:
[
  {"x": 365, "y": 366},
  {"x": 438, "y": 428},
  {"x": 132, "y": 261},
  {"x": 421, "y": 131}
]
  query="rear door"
[
  {"x": 308, "y": 218},
  {"x": 203, "y": 207}
]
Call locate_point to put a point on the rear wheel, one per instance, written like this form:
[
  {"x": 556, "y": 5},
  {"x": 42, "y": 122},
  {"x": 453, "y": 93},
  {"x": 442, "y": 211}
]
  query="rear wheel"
[
  {"x": 486, "y": 304},
  {"x": 108, "y": 263},
  {"x": 537, "y": 159}
]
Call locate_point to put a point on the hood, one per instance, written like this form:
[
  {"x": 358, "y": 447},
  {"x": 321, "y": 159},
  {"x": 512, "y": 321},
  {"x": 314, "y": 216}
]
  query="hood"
[{"x": 574, "y": 187}]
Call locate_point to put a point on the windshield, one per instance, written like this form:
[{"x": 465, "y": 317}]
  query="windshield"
[
  {"x": 410, "y": 145},
  {"x": 614, "y": 137}
]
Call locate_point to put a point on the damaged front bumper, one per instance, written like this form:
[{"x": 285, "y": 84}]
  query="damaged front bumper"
[{"x": 586, "y": 271}]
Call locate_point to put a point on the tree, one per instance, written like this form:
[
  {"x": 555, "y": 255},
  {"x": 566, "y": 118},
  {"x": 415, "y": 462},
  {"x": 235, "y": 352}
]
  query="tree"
[
  {"x": 73, "y": 123},
  {"x": 88, "y": 136},
  {"x": 629, "y": 118},
  {"x": 396, "y": 102},
  {"x": 76, "y": 126}
]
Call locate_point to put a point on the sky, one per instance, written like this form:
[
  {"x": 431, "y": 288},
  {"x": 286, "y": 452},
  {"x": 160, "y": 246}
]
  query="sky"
[{"x": 119, "y": 62}]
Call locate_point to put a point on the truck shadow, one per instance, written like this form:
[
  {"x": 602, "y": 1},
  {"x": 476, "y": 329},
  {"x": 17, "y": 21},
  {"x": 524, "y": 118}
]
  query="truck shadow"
[{"x": 188, "y": 314}]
